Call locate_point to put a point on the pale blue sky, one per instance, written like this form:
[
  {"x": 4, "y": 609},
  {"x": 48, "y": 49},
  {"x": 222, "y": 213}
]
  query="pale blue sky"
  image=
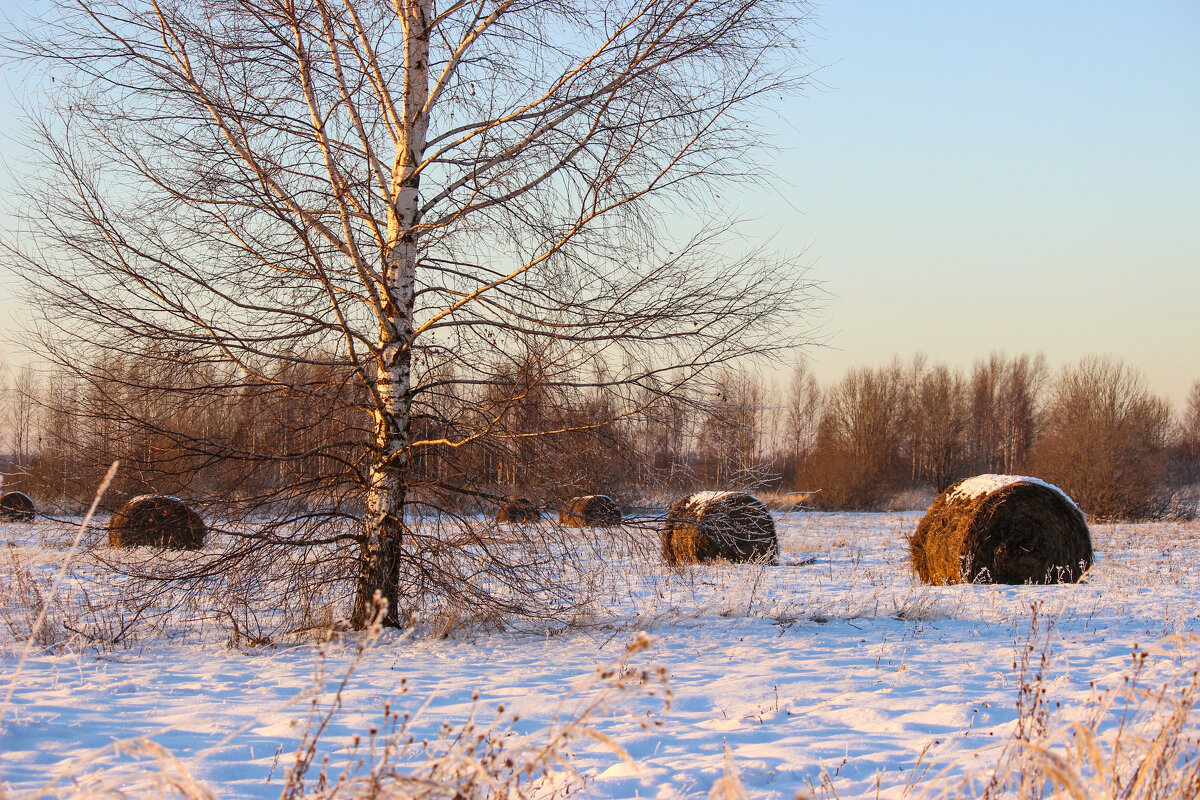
[
  {"x": 977, "y": 176},
  {"x": 1015, "y": 176}
]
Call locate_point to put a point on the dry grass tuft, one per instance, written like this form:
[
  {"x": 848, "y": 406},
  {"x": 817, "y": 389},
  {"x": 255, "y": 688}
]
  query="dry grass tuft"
[{"x": 1135, "y": 743}]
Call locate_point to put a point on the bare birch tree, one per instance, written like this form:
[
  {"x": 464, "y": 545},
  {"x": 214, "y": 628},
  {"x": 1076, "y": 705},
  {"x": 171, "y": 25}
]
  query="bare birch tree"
[
  {"x": 730, "y": 434},
  {"x": 415, "y": 189},
  {"x": 939, "y": 420},
  {"x": 1189, "y": 424},
  {"x": 1005, "y": 394},
  {"x": 19, "y": 412}
]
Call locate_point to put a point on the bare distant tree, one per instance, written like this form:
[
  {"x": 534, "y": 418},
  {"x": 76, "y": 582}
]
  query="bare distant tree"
[
  {"x": 731, "y": 431},
  {"x": 411, "y": 193},
  {"x": 6, "y": 394},
  {"x": 1104, "y": 438},
  {"x": 663, "y": 437},
  {"x": 939, "y": 414},
  {"x": 1189, "y": 428},
  {"x": 857, "y": 461},
  {"x": 803, "y": 409},
  {"x": 1005, "y": 397}
]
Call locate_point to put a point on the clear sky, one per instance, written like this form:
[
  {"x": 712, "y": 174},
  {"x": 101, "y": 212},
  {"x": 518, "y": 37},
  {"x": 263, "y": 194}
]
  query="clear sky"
[
  {"x": 1016, "y": 176},
  {"x": 978, "y": 176}
]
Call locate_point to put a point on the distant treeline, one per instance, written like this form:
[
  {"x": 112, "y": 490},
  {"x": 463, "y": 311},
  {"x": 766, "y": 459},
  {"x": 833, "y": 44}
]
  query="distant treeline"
[
  {"x": 1093, "y": 428},
  {"x": 905, "y": 430}
]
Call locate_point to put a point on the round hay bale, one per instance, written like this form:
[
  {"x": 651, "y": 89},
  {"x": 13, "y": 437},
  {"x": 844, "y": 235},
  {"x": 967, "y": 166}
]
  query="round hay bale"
[
  {"x": 1001, "y": 529},
  {"x": 153, "y": 520},
  {"x": 711, "y": 526},
  {"x": 520, "y": 510},
  {"x": 590, "y": 511},
  {"x": 16, "y": 507}
]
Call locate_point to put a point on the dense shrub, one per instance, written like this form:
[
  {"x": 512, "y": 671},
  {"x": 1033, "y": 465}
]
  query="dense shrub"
[
  {"x": 856, "y": 461},
  {"x": 1104, "y": 439}
]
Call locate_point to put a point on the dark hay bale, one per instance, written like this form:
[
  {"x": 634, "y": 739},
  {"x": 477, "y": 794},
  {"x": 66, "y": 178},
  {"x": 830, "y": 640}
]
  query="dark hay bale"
[
  {"x": 156, "y": 521},
  {"x": 1001, "y": 529},
  {"x": 593, "y": 510},
  {"x": 711, "y": 526},
  {"x": 16, "y": 507},
  {"x": 521, "y": 509}
]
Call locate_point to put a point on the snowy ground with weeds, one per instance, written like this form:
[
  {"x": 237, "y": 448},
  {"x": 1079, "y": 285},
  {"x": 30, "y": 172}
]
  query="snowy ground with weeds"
[{"x": 834, "y": 671}]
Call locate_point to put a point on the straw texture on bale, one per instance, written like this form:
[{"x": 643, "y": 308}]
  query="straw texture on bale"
[
  {"x": 16, "y": 507},
  {"x": 156, "y": 521},
  {"x": 593, "y": 510},
  {"x": 519, "y": 510},
  {"x": 712, "y": 526},
  {"x": 1001, "y": 529}
]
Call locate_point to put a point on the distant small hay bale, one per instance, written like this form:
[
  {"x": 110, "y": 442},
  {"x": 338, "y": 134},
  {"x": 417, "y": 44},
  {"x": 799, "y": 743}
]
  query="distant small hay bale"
[
  {"x": 710, "y": 526},
  {"x": 17, "y": 507},
  {"x": 1001, "y": 529},
  {"x": 590, "y": 511},
  {"x": 156, "y": 521},
  {"x": 520, "y": 510}
]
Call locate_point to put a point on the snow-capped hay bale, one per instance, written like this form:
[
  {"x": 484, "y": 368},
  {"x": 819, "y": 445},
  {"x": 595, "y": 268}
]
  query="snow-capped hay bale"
[
  {"x": 710, "y": 526},
  {"x": 1001, "y": 529},
  {"x": 593, "y": 510},
  {"x": 153, "y": 520},
  {"x": 16, "y": 507},
  {"x": 519, "y": 510}
]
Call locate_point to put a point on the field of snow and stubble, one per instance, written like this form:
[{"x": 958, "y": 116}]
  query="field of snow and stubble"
[{"x": 833, "y": 669}]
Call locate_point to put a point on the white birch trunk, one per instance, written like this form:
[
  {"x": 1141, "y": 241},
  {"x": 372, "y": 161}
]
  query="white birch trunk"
[{"x": 383, "y": 542}]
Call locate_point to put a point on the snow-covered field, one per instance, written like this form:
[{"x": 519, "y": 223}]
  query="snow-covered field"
[{"x": 834, "y": 670}]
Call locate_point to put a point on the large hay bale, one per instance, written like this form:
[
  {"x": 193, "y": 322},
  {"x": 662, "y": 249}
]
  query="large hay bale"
[
  {"x": 1001, "y": 529},
  {"x": 710, "y": 526},
  {"x": 16, "y": 507},
  {"x": 153, "y": 520},
  {"x": 593, "y": 510},
  {"x": 521, "y": 510}
]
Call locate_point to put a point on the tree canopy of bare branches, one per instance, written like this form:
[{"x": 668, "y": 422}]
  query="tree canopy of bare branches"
[
  {"x": 1104, "y": 438},
  {"x": 392, "y": 211}
]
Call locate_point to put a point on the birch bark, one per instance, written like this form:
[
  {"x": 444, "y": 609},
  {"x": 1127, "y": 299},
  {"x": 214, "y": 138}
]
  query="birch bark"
[{"x": 383, "y": 540}]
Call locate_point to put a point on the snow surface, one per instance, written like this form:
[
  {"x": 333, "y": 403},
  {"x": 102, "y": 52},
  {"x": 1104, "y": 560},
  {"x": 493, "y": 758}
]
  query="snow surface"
[
  {"x": 986, "y": 484},
  {"x": 704, "y": 498},
  {"x": 143, "y": 497},
  {"x": 699, "y": 502},
  {"x": 835, "y": 663}
]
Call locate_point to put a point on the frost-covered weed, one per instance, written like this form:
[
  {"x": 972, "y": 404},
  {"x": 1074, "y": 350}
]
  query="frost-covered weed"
[{"x": 1129, "y": 743}]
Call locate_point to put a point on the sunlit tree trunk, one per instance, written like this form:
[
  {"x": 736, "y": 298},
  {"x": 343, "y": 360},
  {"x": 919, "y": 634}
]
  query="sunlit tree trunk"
[{"x": 384, "y": 535}]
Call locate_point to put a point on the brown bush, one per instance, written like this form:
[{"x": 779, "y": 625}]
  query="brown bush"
[
  {"x": 710, "y": 526},
  {"x": 16, "y": 507},
  {"x": 1001, "y": 529},
  {"x": 856, "y": 459},
  {"x": 156, "y": 521},
  {"x": 1104, "y": 439},
  {"x": 520, "y": 509},
  {"x": 593, "y": 510}
]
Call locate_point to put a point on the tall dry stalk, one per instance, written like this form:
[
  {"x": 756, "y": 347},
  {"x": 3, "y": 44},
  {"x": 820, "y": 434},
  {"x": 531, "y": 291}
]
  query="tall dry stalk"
[{"x": 62, "y": 571}]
